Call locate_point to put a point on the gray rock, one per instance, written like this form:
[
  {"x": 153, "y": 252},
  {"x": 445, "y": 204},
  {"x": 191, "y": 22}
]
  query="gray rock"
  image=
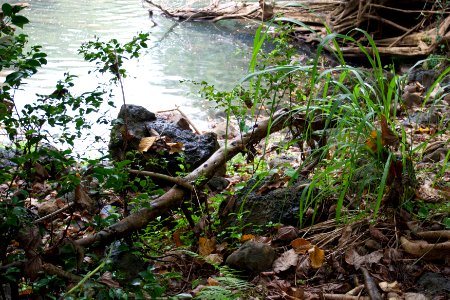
[
  {"x": 253, "y": 257},
  {"x": 217, "y": 183},
  {"x": 142, "y": 123},
  {"x": 434, "y": 284},
  {"x": 280, "y": 205},
  {"x": 5, "y": 159}
]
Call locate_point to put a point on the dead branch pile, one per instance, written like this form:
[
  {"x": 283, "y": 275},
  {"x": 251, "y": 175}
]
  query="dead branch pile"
[{"x": 398, "y": 27}]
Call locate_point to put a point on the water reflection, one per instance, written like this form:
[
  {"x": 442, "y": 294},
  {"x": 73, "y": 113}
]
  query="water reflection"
[{"x": 197, "y": 51}]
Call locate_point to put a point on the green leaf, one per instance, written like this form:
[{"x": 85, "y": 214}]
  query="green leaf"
[
  {"x": 33, "y": 63},
  {"x": 7, "y": 9},
  {"x": 12, "y": 78},
  {"x": 19, "y": 21},
  {"x": 39, "y": 55}
]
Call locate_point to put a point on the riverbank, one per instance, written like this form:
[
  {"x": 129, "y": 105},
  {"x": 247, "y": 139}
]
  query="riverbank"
[{"x": 335, "y": 185}]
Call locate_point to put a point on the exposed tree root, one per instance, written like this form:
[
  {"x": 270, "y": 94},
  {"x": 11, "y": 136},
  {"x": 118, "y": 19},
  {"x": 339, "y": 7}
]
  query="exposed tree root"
[
  {"x": 423, "y": 249},
  {"x": 403, "y": 28}
]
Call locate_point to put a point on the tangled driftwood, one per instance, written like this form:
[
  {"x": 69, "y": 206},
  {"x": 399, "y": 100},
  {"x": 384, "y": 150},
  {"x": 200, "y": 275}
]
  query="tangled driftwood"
[{"x": 398, "y": 27}]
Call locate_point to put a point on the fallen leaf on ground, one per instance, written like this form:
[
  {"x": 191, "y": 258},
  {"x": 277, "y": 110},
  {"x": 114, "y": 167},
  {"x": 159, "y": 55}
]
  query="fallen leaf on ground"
[
  {"x": 214, "y": 258},
  {"x": 146, "y": 143},
  {"x": 206, "y": 246},
  {"x": 346, "y": 235},
  {"x": 177, "y": 238},
  {"x": 388, "y": 137},
  {"x": 301, "y": 246},
  {"x": 353, "y": 258},
  {"x": 285, "y": 261},
  {"x": 213, "y": 282},
  {"x": 317, "y": 257},
  {"x": 428, "y": 193},
  {"x": 390, "y": 287},
  {"x": 377, "y": 234},
  {"x": 286, "y": 233},
  {"x": 106, "y": 278},
  {"x": 247, "y": 237},
  {"x": 175, "y": 147}
]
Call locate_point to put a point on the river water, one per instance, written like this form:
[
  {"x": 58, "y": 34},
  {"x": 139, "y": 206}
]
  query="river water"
[{"x": 216, "y": 53}]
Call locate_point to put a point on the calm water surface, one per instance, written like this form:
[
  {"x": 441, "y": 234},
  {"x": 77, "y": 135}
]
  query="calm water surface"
[{"x": 217, "y": 53}]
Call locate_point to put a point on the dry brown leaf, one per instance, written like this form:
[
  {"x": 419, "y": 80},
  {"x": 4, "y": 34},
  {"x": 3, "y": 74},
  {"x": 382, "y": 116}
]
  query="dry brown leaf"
[
  {"x": 126, "y": 135},
  {"x": 60, "y": 203},
  {"x": 206, "y": 246},
  {"x": 177, "y": 238},
  {"x": 146, "y": 143},
  {"x": 214, "y": 258},
  {"x": 297, "y": 293},
  {"x": 106, "y": 278},
  {"x": 279, "y": 284},
  {"x": 377, "y": 234},
  {"x": 390, "y": 287},
  {"x": 303, "y": 267},
  {"x": 346, "y": 235},
  {"x": 275, "y": 182},
  {"x": 388, "y": 137},
  {"x": 213, "y": 282},
  {"x": 247, "y": 237},
  {"x": 317, "y": 257},
  {"x": 371, "y": 142},
  {"x": 428, "y": 193},
  {"x": 286, "y": 233},
  {"x": 285, "y": 261},
  {"x": 175, "y": 147},
  {"x": 353, "y": 258},
  {"x": 301, "y": 246}
]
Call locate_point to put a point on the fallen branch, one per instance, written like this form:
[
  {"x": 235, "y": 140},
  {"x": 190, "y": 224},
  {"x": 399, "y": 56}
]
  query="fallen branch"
[
  {"x": 175, "y": 180},
  {"x": 54, "y": 270},
  {"x": 54, "y": 214},
  {"x": 174, "y": 197}
]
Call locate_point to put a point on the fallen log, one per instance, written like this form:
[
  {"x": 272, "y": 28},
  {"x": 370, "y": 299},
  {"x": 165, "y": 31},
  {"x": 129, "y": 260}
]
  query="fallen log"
[{"x": 174, "y": 197}]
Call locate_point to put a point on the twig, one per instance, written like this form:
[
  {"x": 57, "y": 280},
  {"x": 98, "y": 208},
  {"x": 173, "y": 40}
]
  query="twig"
[
  {"x": 344, "y": 297},
  {"x": 177, "y": 108},
  {"x": 54, "y": 213},
  {"x": 176, "y": 180},
  {"x": 410, "y": 10},
  {"x": 383, "y": 20},
  {"x": 405, "y": 34},
  {"x": 355, "y": 291},
  {"x": 370, "y": 285},
  {"x": 187, "y": 119}
]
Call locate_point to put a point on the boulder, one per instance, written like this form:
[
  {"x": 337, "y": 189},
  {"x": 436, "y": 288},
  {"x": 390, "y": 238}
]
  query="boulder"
[
  {"x": 252, "y": 257},
  {"x": 260, "y": 205},
  {"x": 141, "y": 123}
]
